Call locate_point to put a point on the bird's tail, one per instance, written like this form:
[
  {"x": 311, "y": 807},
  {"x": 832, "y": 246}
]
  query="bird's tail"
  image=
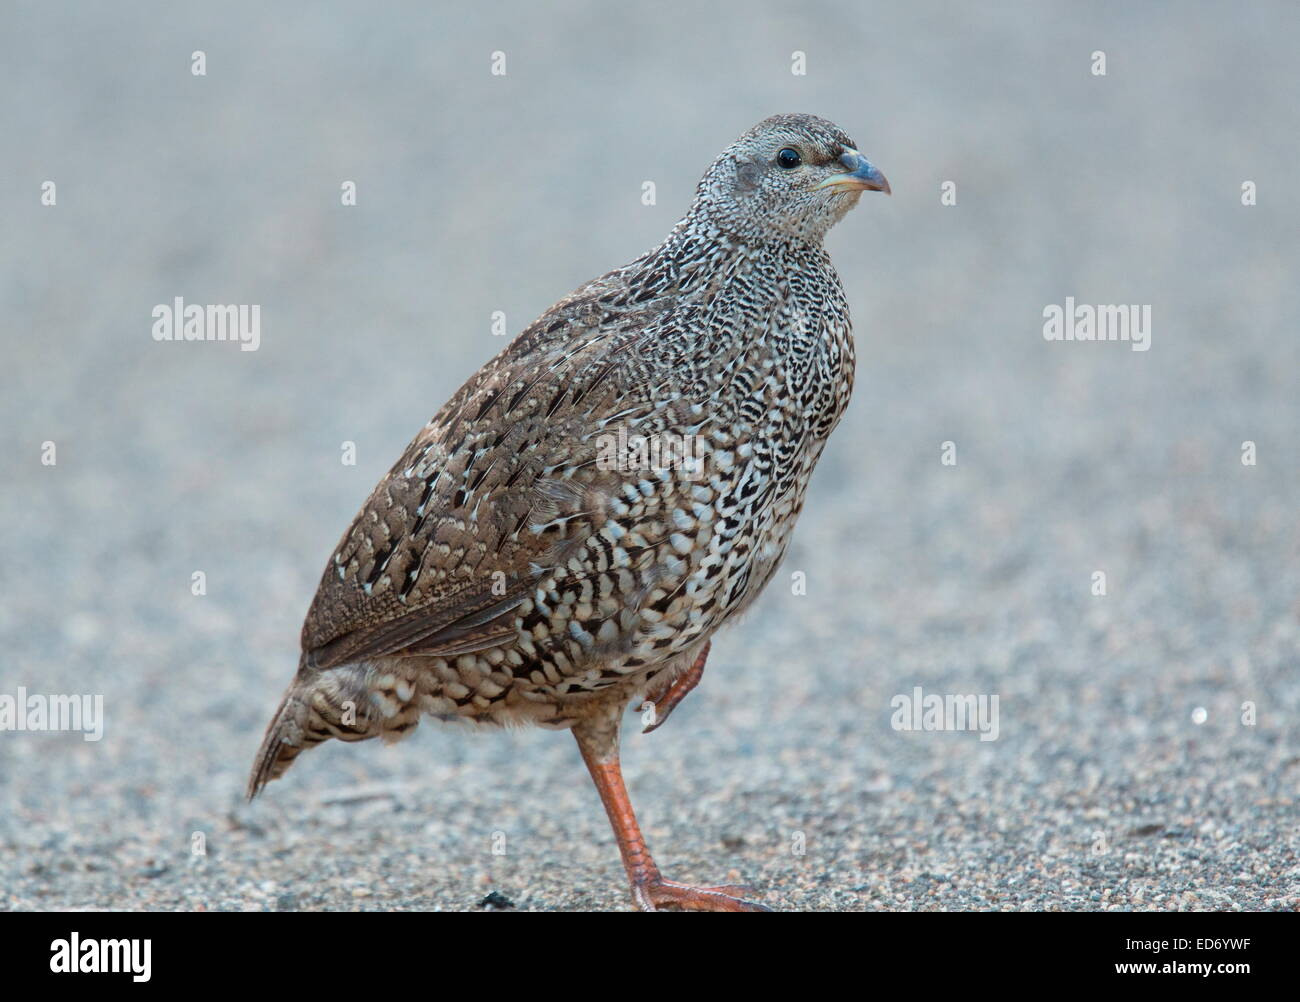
[{"x": 317, "y": 706}]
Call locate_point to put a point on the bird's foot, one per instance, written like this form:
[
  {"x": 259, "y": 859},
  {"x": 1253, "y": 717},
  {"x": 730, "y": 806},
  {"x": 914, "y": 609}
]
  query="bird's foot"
[
  {"x": 675, "y": 693},
  {"x": 657, "y": 893}
]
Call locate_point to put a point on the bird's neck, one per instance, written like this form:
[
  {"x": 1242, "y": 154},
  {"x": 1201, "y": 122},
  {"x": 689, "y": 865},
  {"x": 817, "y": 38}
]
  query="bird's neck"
[{"x": 705, "y": 242}]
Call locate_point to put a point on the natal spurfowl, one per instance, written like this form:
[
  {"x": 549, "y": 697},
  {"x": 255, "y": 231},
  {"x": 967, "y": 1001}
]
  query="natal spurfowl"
[{"x": 570, "y": 529}]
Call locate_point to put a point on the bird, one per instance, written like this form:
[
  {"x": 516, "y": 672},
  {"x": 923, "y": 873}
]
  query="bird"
[{"x": 563, "y": 538}]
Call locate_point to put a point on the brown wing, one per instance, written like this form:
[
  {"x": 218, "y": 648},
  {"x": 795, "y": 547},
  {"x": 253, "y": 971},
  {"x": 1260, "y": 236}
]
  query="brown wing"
[{"x": 489, "y": 492}]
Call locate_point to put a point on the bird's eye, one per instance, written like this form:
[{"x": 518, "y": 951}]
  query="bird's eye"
[{"x": 788, "y": 158}]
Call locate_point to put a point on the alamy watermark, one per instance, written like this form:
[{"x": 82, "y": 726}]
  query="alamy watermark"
[
  {"x": 920, "y": 711},
  {"x": 38, "y": 712},
  {"x": 176, "y": 321},
  {"x": 1084, "y": 322},
  {"x": 75, "y": 955},
  {"x": 659, "y": 451}
]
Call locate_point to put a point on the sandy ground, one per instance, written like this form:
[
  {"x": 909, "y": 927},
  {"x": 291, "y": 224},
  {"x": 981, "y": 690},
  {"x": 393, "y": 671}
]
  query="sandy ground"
[{"x": 1146, "y": 756}]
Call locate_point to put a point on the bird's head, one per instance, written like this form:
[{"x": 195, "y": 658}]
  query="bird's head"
[{"x": 790, "y": 176}]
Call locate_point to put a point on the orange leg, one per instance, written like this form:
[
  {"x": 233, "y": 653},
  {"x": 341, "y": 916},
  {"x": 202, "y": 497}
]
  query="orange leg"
[
  {"x": 650, "y": 891},
  {"x": 676, "y": 692}
]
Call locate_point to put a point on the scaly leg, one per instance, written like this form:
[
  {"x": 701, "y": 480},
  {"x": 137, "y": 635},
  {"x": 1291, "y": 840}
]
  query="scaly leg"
[
  {"x": 650, "y": 891},
  {"x": 676, "y": 692}
]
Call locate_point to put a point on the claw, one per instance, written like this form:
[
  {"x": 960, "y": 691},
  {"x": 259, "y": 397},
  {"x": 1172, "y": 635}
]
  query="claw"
[{"x": 658, "y": 894}]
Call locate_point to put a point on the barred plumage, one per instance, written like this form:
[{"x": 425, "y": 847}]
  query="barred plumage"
[{"x": 515, "y": 567}]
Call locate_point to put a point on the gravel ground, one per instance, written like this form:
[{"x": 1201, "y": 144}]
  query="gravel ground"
[{"x": 1126, "y": 773}]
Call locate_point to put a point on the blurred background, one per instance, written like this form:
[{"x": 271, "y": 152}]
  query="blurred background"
[{"x": 479, "y": 193}]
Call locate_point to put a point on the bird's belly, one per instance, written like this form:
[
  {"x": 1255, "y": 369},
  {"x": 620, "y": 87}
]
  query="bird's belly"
[{"x": 473, "y": 689}]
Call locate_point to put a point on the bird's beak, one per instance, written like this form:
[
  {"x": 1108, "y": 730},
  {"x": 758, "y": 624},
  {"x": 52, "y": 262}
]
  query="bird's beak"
[{"x": 860, "y": 174}]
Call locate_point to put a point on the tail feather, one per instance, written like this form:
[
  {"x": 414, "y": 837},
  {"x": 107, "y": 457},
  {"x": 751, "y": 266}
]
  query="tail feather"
[
  {"x": 318, "y": 706},
  {"x": 283, "y": 742}
]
